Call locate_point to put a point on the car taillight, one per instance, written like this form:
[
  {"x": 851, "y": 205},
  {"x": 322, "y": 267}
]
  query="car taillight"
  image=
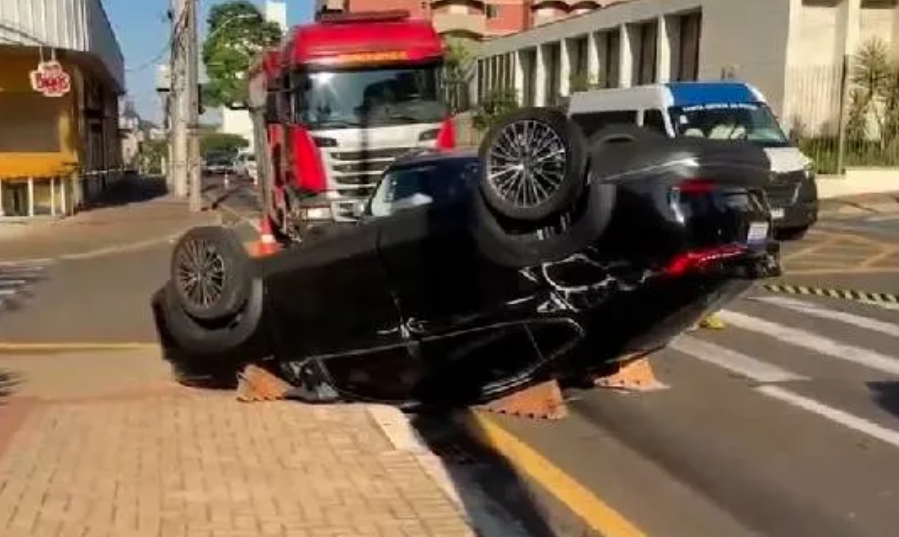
[
  {"x": 695, "y": 260},
  {"x": 696, "y": 186}
]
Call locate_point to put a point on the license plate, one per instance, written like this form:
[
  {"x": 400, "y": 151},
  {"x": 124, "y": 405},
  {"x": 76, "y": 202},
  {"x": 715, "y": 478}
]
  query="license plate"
[
  {"x": 758, "y": 232},
  {"x": 777, "y": 214}
]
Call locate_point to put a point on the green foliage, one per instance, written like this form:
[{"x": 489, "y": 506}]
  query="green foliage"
[
  {"x": 457, "y": 67},
  {"x": 494, "y": 106},
  {"x": 237, "y": 34},
  {"x": 874, "y": 96},
  {"x": 221, "y": 143},
  {"x": 152, "y": 152}
]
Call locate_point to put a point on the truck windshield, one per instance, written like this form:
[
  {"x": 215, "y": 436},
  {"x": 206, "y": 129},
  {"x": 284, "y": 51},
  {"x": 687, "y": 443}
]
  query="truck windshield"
[
  {"x": 370, "y": 97},
  {"x": 729, "y": 121}
]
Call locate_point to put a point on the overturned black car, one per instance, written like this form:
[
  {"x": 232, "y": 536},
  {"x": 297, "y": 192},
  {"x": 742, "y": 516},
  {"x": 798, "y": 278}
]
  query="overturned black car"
[{"x": 470, "y": 276}]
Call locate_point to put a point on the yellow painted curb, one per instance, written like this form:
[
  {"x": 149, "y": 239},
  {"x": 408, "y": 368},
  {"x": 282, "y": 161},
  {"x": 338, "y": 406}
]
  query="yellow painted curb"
[
  {"x": 598, "y": 515},
  {"x": 73, "y": 346}
]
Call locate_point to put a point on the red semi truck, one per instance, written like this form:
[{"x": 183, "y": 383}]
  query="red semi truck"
[{"x": 347, "y": 94}]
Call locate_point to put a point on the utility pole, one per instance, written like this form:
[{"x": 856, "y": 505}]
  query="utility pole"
[
  {"x": 194, "y": 176},
  {"x": 180, "y": 105}
]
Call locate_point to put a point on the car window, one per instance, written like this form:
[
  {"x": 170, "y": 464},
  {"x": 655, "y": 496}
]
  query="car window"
[
  {"x": 654, "y": 120},
  {"x": 414, "y": 186},
  {"x": 591, "y": 122}
]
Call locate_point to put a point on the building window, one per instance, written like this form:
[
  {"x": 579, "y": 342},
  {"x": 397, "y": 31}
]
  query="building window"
[
  {"x": 612, "y": 46},
  {"x": 646, "y": 59},
  {"x": 492, "y": 11},
  {"x": 688, "y": 51},
  {"x": 654, "y": 120}
]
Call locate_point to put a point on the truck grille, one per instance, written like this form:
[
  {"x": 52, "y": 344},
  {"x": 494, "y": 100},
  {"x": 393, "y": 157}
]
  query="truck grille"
[{"x": 352, "y": 169}]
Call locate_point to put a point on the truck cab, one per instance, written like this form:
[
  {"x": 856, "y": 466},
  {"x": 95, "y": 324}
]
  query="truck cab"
[
  {"x": 353, "y": 91},
  {"x": 715, "y": 110}
]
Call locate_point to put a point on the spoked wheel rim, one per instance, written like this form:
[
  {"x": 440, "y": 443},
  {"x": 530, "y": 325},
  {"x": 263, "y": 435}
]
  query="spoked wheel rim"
[
  {"x": 201, "y": 273},
  {"x": 526, "y": 164}
]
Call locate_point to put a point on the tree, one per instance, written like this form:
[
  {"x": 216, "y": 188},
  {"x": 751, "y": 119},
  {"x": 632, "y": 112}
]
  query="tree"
[
  {"x": 874, "y": 95},
  {"x": 222, "y": 143},
  {"x": 457, "y": 73},
  {"x": 238, "y": 33}
]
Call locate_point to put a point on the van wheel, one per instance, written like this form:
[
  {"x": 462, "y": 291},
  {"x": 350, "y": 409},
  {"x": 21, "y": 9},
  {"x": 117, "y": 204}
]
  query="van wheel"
[{"x": 534, "y": 163}]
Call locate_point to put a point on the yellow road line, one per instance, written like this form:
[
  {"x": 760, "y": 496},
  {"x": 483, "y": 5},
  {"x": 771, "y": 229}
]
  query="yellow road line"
[
  {"x": 580, "y": 500},
  {"x": 73, "y": 346}
]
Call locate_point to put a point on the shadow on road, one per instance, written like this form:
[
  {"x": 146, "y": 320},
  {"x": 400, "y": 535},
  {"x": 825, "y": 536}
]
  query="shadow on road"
[
  {"x": 132, "y": 188},
  {"x": 482, "y": 477},
  {"x": 886, "y": 394}
]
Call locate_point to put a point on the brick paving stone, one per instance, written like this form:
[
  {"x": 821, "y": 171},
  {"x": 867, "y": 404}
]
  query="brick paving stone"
[{"x": 192, "y": 464}]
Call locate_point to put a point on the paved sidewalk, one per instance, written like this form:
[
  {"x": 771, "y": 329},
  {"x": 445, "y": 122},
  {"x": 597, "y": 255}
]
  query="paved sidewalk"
[
  {"x": 135, "y": 215},
  {"x": 105, "y": 445}
]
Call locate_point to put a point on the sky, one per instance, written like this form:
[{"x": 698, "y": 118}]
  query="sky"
[{"x": 143, "y": 30}]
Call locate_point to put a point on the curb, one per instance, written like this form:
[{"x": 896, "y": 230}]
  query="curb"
[{"x": 843, "y": 294}]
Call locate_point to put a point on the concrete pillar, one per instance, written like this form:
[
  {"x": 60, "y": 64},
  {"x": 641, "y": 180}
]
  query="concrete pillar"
[
  {"x": 593, "y": 65},
  {"x": 564, "y": 67},
  {"x": 540, "y": 78},
  {"x": 848, "y": 28},
  {"x": 52, "y": 196},
  {"x": 518, "y": 81},
  {"x": 2, "y": 212},
  {"x": 31, "y": 196},
  {"x": 663, "y": 49},
  {"x": 63, "y": 198},
  {"x": 625, "y": 57}
]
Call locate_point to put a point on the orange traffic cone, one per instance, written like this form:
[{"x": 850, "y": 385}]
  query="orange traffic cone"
[{"x": 267, "y": 243}]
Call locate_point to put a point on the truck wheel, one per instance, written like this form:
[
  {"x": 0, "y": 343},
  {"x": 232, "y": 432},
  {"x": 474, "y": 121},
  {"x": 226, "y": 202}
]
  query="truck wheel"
[
  {"x": 533, "y": 164},
  {"x": 211, "y": 273}
]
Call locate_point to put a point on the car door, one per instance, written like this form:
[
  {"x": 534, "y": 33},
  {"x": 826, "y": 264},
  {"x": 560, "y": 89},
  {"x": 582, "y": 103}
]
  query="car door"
[
  {"x": 329, "y": 300},
  {"x": 452, "y": 300}
]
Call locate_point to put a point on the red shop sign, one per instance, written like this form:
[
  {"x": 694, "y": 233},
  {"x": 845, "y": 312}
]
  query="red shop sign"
[{"x": 50, "y": 79}]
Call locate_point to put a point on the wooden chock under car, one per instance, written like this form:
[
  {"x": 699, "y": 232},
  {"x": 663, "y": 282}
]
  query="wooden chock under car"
[
  {"x": 632, "y": 375},
  {"x": 257, "y": 384},
  {"x": 542, "y": 401}
]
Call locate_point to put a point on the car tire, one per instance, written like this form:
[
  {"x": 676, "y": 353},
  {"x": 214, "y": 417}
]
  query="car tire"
[
  {"x": 622, "y": 133},
  {"x": 561, "y": 156},
  {"x": 514, "y": 248},
  {"x": 211, "y": 273},
  {"x": 791, "y": 233},
  {"x": 241, "y": 334}
]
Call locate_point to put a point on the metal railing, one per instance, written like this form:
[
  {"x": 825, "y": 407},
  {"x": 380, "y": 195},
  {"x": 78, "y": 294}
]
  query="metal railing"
[{"x": 840, "y": 119}]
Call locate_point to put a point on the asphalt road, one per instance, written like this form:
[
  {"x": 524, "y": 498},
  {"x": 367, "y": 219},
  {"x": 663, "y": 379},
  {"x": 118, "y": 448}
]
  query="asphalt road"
[{"x": 784, "y": 424}]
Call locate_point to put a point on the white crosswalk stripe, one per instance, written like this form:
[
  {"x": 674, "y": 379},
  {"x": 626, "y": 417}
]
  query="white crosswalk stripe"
[
  {"x": 18, "y": 277},
  {"x": 806, "y": 327}
]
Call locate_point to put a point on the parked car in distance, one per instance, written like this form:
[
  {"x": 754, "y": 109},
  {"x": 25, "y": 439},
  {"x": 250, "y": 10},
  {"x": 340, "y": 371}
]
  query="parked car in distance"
[
  {"x": 472, "y": 275},
  {"x": 245, "y": 166},
  {"x": 218, "y": 164}
]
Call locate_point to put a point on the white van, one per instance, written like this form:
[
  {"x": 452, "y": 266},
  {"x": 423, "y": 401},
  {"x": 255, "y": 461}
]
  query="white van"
[{"x": 717, "y": 110}]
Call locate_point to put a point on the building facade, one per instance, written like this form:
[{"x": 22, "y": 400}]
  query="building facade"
[
  {"x": 59, "y": 135},
  {"x": 793, "y": 50},
  {"x": 475, "y": 19}
]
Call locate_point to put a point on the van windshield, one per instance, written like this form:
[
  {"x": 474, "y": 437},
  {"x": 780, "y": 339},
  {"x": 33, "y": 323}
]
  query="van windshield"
[{"x": 729, "y": 121}]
